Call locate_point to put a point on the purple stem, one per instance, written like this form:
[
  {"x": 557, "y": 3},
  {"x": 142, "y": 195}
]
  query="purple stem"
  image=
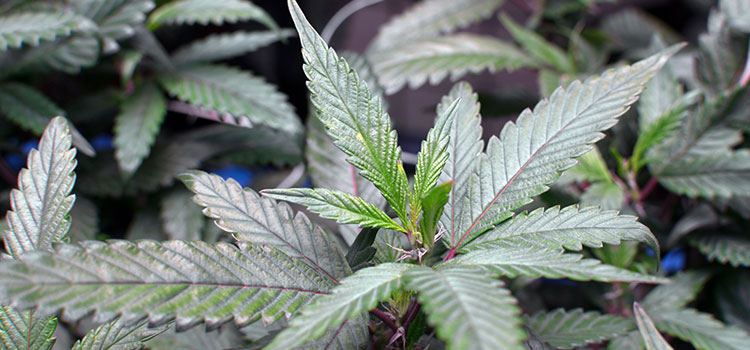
[{"x": 386, "y": 318}]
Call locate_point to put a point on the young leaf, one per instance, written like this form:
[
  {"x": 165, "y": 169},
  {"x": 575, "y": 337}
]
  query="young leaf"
[
  {"x": 570, "y": 329},
  {"x": 336, "y": 205},
  {"x": 40, "y": 205},
  {"x": 464, "y": 146},
  {"x": 675, "y": 295},
  {"x": 433, "y": 154},
  {"x": 354, "y": 117},
  {"x": 433, "y": 204},
  {"x": 513, "y": 261},
  {"x": 137, "y": 124},
  {"x": 180, "y": 217},
  {"x": 469, "y": 307},
  {"x": 530, "y": 153},
  {"x": 652, "y": 135},
  {"x": 206, "y": 11},
  {"x": 431, "y": 18},
  {"x": 605, "y": 195},
  {"x": 591, "y": 167},
  {"x": 651, "y": 335},
  {"x": 734, "y": 250},
  {"x": 538, "y": 48},
  {"x": 23, "y": 331},
  {"x": 357, "y": 293},
  {"x": 223, "y": 46},
  {"x": 234, "y": 94},
  {"x": 361, "y": 252},
  {"x": 570, "y": 227},
  {"x": 191, "y": 282},
  {"x": 264, "y": 221},
  {"x": 32, "y": 27},
  {"x": 116, "y": 336},
  {"x": 435, "y": 59},
  {"x": 700, "y": 329}
]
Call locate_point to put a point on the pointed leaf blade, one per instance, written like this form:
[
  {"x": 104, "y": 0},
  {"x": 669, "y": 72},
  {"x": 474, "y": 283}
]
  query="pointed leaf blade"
[
  {"x": 116, "y": 336},
  {"x": 223, "y": 46},
  {"x": 22, "y": 331},
  {"x": 137, "y": 124},
  {"x": 700, "y": 329},
  {"x": 32, "y": 27},
  {"x": 570, "y": 329},
  {"x": 206, "y": 11},
  {"x": 651, "y": 335}
]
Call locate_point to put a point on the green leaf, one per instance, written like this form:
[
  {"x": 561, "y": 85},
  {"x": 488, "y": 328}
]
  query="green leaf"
[
  {"x": 464, "y": 145},
  {"x": 733, "y": 299},
  {"x": 675, "y": 295},
  {"x": 530, "y": 153},
  {"x": 621, "y": 255},
  {"x": 33, "y": 27},
  {"x": 433, "y": 204},
  {"x": 700, "y": 329},
  {"x": 716, "y": 63},
  {"x": 431, "y": 18},
  {"x": 191, "y": 282},
  {"x": 223, "y": 46},
  {"x": 361, "y": 252},
  {"x": 538, "y": 48},
  {"x": 354, "y": 117},
  {"x": 236, "y": 96},
  {"x": 137, "y": 124},
  {"x": 84, "y": 218},
  {"x": 591, "y": 167},
  {"x": 469, "y": 308},
  {"x": 264, "y": 221},
  {"x": 651, "y": 335},
  {"x": 570, "y": 227},
  {"x": 115, "y": 18},
  {"x": 180, "y": 217},
  {"x": 631, "y": 341},
  {"x": 336, "y": 205},
  {"x": 196, "y": 339},
  {"x": 206, "y": 11},
  {"x": 607, "y": 196},
  {"x": 69, "y": 56},
  {"x": 433, "y": 154},
  {"x": 356, "y": 294},
  {"x": 513, "y": 261},
  {"x": 734, "y": 250},
  {"x": 716, "y": 175},
  {"x": 633, "y": 30},
  {"x": 115, "y": 336},
  {"x": 652, "y": 135},
  {"x": 570, "y": 329},
  {"x": 738, "y": 14},
  {"x": 40, "y": 205},
  {"x": 435, "y": 59},
  {"x": 22, "y": 331}
]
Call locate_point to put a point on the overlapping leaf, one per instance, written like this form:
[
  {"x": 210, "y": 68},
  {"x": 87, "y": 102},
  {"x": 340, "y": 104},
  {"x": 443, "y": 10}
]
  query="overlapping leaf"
[
  {"x": 734, "y": 250},
  {"x": 722, "y": 175},
  {"x": 469, "y": 308},
  {"x": 530, "y": 153},
  {"x": 570, "y": 227},
  {"x": 196, "y": 339},
  {"x": 356, "y": 294},
  {"x": 336, "y": 205},
  {"x": 354, "y": 117},
  {"x": 651, "y": 335},
  {"x": 436, "y": 59},
  {"x": 234, "y": 94},
  {"x": 33, "y": 27},
  {"x": 180, "y": 217},
  {"x": 430, "y": 18},
  {"x": 569, "y": 329},
  {"x": 538, "y": 262},
  {"x": 675, "y": 295},
  {"x": 23, "y": 331},
  {"x": 738, "y": 13},
  {"x": 69, "y": 56},
  {"x": 137, "y": 124},
  {"x": 264, "y": 221},
  {"x": 538, "y": 48},
  {"x": 84, "y": 220},
  {"x": 222, "y": 46},
  {"x": 116, "y": 336},
  {"x": 208, "y": 11},
  {"x": 191, "y": 281},
  {"x": 40, "y": 205},
  {"x": 700, "y": 329},
  {"x": 115, "y": 18}
]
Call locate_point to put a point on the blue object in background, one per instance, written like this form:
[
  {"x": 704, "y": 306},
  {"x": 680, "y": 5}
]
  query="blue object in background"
[
  {"x": 240, "y": 174},
  {"x": 14, "y": 161},
  {"x": 28, "y": 145},
  {"x": 673, "y": 261},
  {"x": 559, "y": 282},
  {"x": 307, "y": 183},
  {"x": 102, "y": 142},
  {"x": 650, "y": 252}
]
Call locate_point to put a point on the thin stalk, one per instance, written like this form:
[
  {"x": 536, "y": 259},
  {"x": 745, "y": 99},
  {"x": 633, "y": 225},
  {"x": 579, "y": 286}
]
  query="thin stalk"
[
  {"x": 648, "y": 188},
  {"x": 745, "y": 76},
  {"x": 341, "y": 16},
  {"x": 386, "y": 318},
  {"x": 411, "y": 314}
]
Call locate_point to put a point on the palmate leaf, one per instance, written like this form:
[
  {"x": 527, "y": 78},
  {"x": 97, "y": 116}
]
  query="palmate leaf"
[
  {"x": 570, "y": 227},
  {"x": 233, "y": 93},
  {"x": 569, "y": 329},
  {"x": 733, "y": 250},
  {"x": 116, "y": 336},
  {"x": 430, "y": 18},
  {"x": 530, "y": 153},
  {"x": 433, "y": 60},
  {"x": 191, "y": 282},
  {"x": 208, "y": 11},
  {"x": 469, "y": 307},
  {"x": 357, "y": 293},
  {"x": 264, "y": 221},
  {"x": 23, "y": 331},
  {"x": 336, "y": 205},
  {"x": 40, "y": 205},
  {"x": 354, "y": 117},
  {"x": 33, "y": 27},
  {"x": 651, "y": 335},
  {"x": 115, "y": 18},
  {"x": 513, "y": 261},
  {"x": 715, "y": 175},
  {"x": 700, "y": 329},
  {"x": 538, "y": 48},
  {"x": 137, "y": 124},
  {"x": 222, "y": 46}
]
